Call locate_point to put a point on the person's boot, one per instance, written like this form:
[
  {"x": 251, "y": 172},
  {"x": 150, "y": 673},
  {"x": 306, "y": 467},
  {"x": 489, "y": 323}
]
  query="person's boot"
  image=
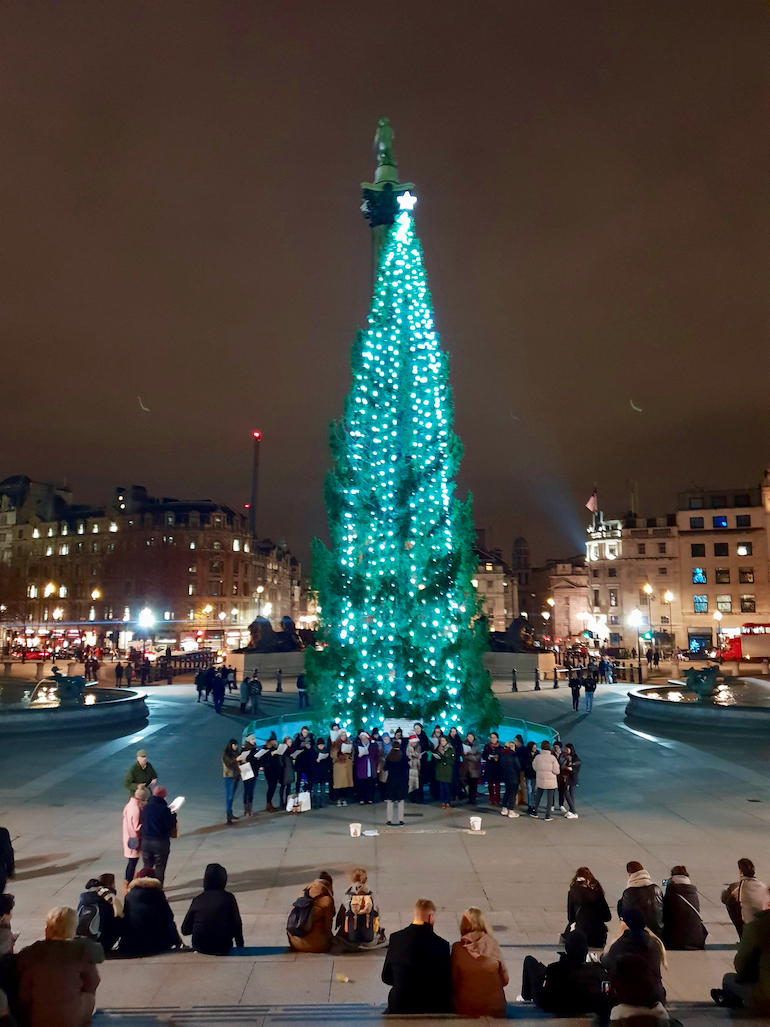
[
  {"x": 124, "y": 885},
  {"x": 229, "y": 818},
  {"x": 270, "y": 808}
]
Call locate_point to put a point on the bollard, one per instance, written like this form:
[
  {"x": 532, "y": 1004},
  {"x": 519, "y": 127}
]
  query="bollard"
[
  {"x": 631, "y": 672},
  {"x": 514, "y": 685},
  {"x": 39, "y": 671},
  {"x": 555, "y": 678},
  {"x": 537, "y": 679},
  {"x": 7, "y": 666}
]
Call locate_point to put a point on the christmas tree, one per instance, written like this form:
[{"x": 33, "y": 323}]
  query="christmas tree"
[{"x": 398, "y": 614}]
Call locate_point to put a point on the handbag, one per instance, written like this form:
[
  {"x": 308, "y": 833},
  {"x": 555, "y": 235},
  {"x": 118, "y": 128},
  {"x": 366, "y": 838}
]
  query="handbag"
[
  {"x": 247, "y": 771},
  {"x": 133, "y": 843}
]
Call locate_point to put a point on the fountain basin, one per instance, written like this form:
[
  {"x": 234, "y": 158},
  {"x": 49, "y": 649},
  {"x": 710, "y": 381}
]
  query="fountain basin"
[
  {"x": 27, "y": 706},
  {"x": 741, "y": 703}
]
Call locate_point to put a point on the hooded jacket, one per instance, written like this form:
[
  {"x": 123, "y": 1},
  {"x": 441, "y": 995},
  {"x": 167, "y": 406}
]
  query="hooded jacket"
[
  {"x": 213, "y": 918},
  {"x": 319, "y": 937},
  {"x": 682, "y": 925},
  {"x": 479, "y": 976},
  {"x": 148, "y": 923},
  {"x": 572, "y": 986},
  {"x": 752, "y": 961},
  {"x": 645, "y": 896},
  {"x": 546, "y": 768},
  {"x": 58, "y": 982}
]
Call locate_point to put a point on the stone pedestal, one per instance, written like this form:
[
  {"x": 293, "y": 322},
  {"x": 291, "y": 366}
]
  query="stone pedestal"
[{"x": 39, "y": 671}]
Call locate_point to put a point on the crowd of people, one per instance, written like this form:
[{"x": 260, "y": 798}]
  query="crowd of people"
[{"x": 371, "y": 767}]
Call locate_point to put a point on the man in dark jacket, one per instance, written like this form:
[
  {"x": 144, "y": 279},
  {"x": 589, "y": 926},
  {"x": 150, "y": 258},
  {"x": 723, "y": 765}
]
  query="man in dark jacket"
[
  {"x": 158, "y": 825},
  {"x": 750, "y": 985},
  {"x": 638, "y": 942},
  {"x": 643, "y": 895},
  {"x": 569, "y": 987},
  {"x": 418, "y": 967},
  {"x": 213, "y": 918},
  {"x": 6, "y": 857}
]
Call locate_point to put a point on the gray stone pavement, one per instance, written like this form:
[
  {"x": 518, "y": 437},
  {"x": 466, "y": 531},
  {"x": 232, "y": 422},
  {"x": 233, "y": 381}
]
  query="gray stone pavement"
[{"x": 703, "y": 802}]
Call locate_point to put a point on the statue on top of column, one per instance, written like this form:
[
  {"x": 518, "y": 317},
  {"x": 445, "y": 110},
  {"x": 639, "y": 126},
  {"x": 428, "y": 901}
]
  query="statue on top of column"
[{"x": 383, "y": 143}]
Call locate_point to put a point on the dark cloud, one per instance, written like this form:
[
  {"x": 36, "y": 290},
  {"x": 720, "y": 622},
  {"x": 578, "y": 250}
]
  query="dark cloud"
[{"x": 179, "y": 191}]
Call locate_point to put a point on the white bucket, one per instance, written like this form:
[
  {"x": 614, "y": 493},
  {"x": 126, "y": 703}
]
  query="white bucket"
[
  {"x": 475, "y": 823},
  {"x": 355, "y": 830}
]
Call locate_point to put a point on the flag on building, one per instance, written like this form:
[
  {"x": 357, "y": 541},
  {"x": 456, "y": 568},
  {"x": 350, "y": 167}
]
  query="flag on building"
[{"x": 593, "y": 502}]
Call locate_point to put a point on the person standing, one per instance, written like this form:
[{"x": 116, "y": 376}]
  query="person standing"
[
  {"x": 396, "y": 782},
  {"x": 118, "y": 674},
  {"x": 509, "y": 768},
  {"x": 231, "y": 772},
  {"x": 546, "y": 769},
  {"x": 745, "y": 897},
  {"x": 574, "y": 687},
  {"x": 492, "y": 771},
  {"x": 7, "y": 858},
  {"x": 218, "y": 691},
  {"x": 302, "y": 691},
  {"x": 141, "y": 773},
  {"x": 255, "y": 694},
  {"x": 248, "y": 759},
  {"x": 471, "y": 766},
  {"x": 479, "y": 975},
  {"x": 423, "y": 744},
  {"x": 320, "y": 773},
  {"x": 590, "y": 687},
  {"x": 157, "y": 827},
  {"x": 342, "y": 768},
  {"x": 129, "y": 673},
  {"x": 231, "y": 679},
  {"x": 457, "y": 742},
  {"x": 656, "y": 659},
  {"x": 444, "y": 770},
  {"x": 145, "y": 673},
  {"x": 200, "y": 683},
  {"x": 365, "y": 767},
  {"x": 271, "y": 764},
  {"x": 132, "y": 832},
  {"x": 530, "y": 776},
  {"x": 587, "y": 909},
  {"x": 244, "y": 692},
  {"x": 278, "y": 679},
  {"x": 570, "y": 771},
  {"x": 210, "y": 675},
  {"x": 417, "y": 966},
  {"x": 649, "y": 655},
  {"x": 287, "y": 771}
]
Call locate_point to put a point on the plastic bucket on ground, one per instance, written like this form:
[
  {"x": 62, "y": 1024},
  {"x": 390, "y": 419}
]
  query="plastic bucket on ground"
[
  {"x": 475, "y": 823},
  {"x": 355, "y": 830}
]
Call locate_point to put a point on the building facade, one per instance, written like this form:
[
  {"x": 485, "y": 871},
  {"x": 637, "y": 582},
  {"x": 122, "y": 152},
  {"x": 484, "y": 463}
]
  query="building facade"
[
  {"x": 495, "y": 585},
  {"x": 189, "y": 571}
]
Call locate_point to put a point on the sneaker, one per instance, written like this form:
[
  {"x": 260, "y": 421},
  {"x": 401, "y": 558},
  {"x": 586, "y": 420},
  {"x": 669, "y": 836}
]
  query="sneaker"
[
  {"x": 573, "y": 816},
  {"x": 504, "y": 811},
  {"x": 344, "y": 802},
  {"x": 546, "y": 819},
  {"x": 389, "y": 823},
  {"x": 718, "y": 996},
  {"x": 520, "y": 998},
  {"x": 563, "y": 809},
  {"x": 532, "y": 814},
  {"x": 513, "y": 815},
  {"x": 400, "y": 823}
]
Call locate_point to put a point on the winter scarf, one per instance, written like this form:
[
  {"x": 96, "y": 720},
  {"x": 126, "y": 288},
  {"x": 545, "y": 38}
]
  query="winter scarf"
[{"x": 639, "y": 879}]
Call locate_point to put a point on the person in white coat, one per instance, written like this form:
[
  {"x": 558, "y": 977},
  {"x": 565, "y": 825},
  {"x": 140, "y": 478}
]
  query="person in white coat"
[{"x": 546, "y": 768}]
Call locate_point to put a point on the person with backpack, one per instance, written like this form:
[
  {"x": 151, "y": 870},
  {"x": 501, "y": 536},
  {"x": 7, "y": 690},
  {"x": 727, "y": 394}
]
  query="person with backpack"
[
  {"x": 213, "y": 918},
  {"x": 255, "y": 693},
  {"x": 358, "y": 920},
  {"x": 309, "y": 926},
  {"x": 100, "y": 912}
]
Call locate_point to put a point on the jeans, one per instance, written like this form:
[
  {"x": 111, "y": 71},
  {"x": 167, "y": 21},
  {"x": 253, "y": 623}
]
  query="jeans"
[
  {"x": 248, "y": 791},
  {"x": 231, "y": 787},
  {"x": 569, "y": 797},
  {"x": 317, "y": 794},
  {"x": 473, "y": 788},
  {"x": 589, "y": 701},
  {"x": 303, "y": 699},
  {"x": 549, "y": 796},
  {"x": 272, "y": 784},
  {"x": 530, "y": 792},
  {"x": 445, "y": 791},
  {"x": 284, "y": 794},
  {"x": 395, "y": 811},
  {"x": 131, "y": 867},
  {"x": 155, "y": 855},
  {"x": 218, "y": 703},
  {"x": 532, "y": 980},
  {"x": 737, "y": 993}
]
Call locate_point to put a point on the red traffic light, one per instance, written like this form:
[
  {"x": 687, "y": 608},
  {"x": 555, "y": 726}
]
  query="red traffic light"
[{"x": 257, "y": 434}]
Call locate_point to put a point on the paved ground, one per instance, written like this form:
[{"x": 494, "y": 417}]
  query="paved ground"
[{"x": 704, "y": 802}]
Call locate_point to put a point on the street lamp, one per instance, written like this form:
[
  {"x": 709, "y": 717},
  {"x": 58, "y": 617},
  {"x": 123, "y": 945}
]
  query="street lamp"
[
  {"x": 718, "y": 619},
  {"x": 96, "y": 594},
  {"x": 635, "y": 619},
  {"x": 222, "y": 615},
  {"x": 146, "y": 621},
  {"x": 669, "y": 598},
  {"x": 551, "y": 601},
  {"x": 260, "y": 590}
]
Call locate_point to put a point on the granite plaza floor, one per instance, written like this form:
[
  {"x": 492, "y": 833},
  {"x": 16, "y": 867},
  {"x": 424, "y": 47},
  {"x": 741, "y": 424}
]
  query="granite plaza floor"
[{"x": 703, "y": 801}]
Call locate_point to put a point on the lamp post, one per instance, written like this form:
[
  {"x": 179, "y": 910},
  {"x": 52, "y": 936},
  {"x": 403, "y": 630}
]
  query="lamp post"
[
  {"x": 222, "y": 615},
  {"x": 260, "y": 590},
  {"x": 635, "y": 619},
  {"x": 146, "y": 621},
  {"x": 648, "y": 592},
  {"x": 669, "y": 598},
  {"x": 717, "y": 618}
]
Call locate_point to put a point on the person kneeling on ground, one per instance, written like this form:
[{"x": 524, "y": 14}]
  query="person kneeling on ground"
[
  {"x": 638, "y": 940},
  {"x": 683, "y": 927},
  {"x": 643, "y": 895},
  {"x": 750, "y": 985},
  {"x": 58, "y": 977},
  {"x": 418, "y": 967},
  {"x": 358, "y": 921},
  {"x": 309, "y": 927},
  {"x": 213, "y": 918},
  {"x": 148, "y": 923},
  {"x": 479, "y": 975},
  {"x": 569, "y": 987},
  {"x": 100, "y": 912}
]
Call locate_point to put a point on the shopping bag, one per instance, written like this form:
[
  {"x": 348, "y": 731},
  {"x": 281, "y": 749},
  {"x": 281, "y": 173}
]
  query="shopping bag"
[
  {"x": 304, "y": 802},
  {"x": 247, "y": 772}
]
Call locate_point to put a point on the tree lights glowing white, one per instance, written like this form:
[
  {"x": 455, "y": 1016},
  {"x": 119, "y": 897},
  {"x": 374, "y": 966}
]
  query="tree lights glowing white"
[{"x": 396, "y": 604}]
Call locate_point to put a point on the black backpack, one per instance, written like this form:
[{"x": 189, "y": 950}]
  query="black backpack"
[
  {"x": 89, "y": 925},
  {"x": 301, "y": 916}
]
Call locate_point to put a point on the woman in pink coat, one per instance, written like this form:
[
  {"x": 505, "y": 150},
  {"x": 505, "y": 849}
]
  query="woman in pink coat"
[
  {"x": 131, "y": 832},
  {"x": 546, "y": 768}
]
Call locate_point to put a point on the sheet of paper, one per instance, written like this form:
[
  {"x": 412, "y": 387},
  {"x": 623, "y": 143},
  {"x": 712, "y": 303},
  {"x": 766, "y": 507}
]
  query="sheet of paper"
[
  {"x": 323, "y": 755},
  {"x": 281, "y": 749},
  {"x": 466, "y": 749},
  {"x": 363, "y": 750},
  {"x": 176, "y": 804},
  {"x": 261, "y": 753},
  {"x": 346, "y": 747}
]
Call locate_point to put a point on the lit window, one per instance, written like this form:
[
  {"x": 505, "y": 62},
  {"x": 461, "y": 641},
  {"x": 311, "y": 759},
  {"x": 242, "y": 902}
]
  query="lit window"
[
  {"x": 192, "y": 545},
  {"x": 722, "y": 576},
  {"x": 92, "y": 614},
  {"x": 613, "y": 597},
  {"x": 725, "y": 604},
  {"x": 746, "y": 575},
  {"x": 698, "y": 576},
  {"x": 49, "y": 550},
  {"x": 191, "y": 590},
  {"x": 698, "y": 549},
  {"x": 167, "y": 615},
  {"x": 236, "y": 545},
  {"x": 64, "y": 529},
  {"x": 700, "y": 604},
  {"x": 217, "y": 545},
  {"x": 696, "y": 522},
  {"x": 62, "y": 591},
  {"x": 35, "y": 533},
  {"x": 720, "y": 521},
  {"x": 94, "y": 529},
  {"x": 126, "y": 613},
  {"x": 743, "y": 549},
  {"x": 246, "y": 548},
  {"x": 113, "y": 526},
  {"x": 32, "y": 591},
  {"x": 748, "y": 604},
  {"x": 50, "y": 532},
  {"x": 81, "y": 527},
  {"x": 614, "y": 619},
  {"x": 64, "y": 550}
]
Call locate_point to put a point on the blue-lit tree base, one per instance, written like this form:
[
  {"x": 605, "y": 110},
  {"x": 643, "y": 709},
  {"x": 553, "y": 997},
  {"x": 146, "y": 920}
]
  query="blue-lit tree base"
[{"x": 397, "y": 610}]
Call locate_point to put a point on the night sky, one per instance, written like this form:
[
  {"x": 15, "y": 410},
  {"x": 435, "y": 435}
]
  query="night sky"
[{"x": 179, "y": 198}]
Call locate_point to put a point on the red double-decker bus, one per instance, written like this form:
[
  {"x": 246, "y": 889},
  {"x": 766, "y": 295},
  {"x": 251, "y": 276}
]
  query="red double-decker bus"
[{"x": 753, "y": 643}]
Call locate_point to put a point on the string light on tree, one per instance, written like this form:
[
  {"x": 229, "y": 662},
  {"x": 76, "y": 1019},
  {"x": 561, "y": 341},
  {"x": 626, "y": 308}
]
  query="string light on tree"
[{"x": 398, "y": 622}]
